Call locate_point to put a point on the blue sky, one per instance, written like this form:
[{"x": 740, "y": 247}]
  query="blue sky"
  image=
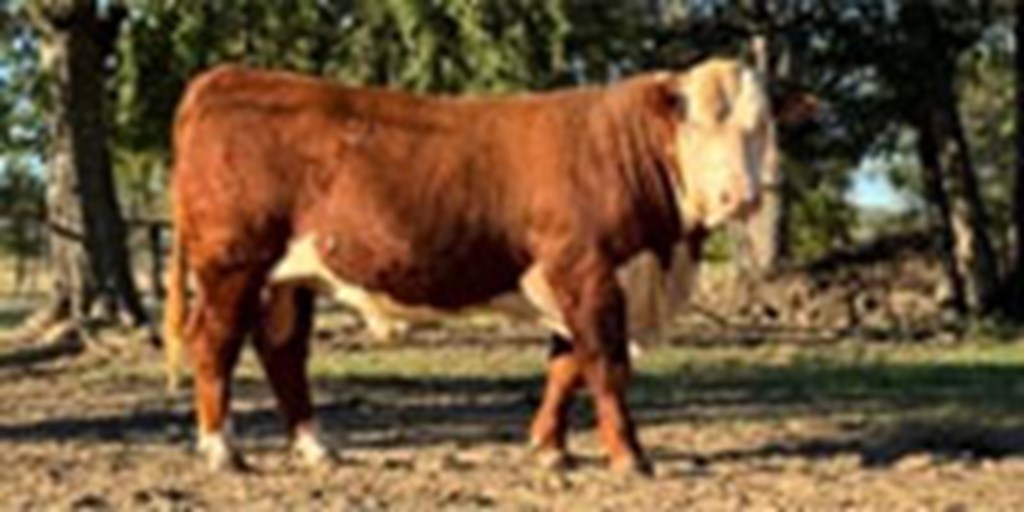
[{"x": 873, "y": 190}]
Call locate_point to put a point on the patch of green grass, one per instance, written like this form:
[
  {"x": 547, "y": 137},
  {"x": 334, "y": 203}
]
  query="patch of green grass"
[
  {"x": 971, "y": 381},
  {"x": 490, "y": 361},
  {"x": 10, "y": 320},
  {"x": 978, "y": 383},
  {"x": 12, "y": 317},
  {"x": 976, "y": 380}
]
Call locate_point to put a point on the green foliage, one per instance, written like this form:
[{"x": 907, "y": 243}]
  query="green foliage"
[
  {"x": 875, "y": 64},
  {"x": 22, "y": 91},
  {"x": 21, "y": 208},
  {"x": 863, "y": 58},
  {"x": 22, "y": 134},
  {"x": 457, "y": 45},
  {"x": 972, "y": 36},
  {"x": 987, "y": 104},
  {"x": 442, "y": 46},
  {"x": 821, "y": 219},
  {"x": 450, "y": 45},
  {"x": 166, "y": 42}
]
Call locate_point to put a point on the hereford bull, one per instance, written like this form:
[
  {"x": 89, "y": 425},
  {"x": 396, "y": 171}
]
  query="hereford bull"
[{"x": 551, "y": 205}]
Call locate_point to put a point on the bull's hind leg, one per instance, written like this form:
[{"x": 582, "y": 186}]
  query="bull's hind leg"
[
  {"x": 282, "y": 342},
  {"x": 548, "y": 434},
  {"x": 228, "y": 303}
]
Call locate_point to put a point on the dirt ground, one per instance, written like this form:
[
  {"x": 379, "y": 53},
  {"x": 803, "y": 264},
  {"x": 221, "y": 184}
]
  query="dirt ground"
[{"x": 439, "y": 424}]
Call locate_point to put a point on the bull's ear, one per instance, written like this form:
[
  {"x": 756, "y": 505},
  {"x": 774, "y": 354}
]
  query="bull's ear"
[
  {"x": 795, "y": 107},
  {"x": 671, "y": 95}
]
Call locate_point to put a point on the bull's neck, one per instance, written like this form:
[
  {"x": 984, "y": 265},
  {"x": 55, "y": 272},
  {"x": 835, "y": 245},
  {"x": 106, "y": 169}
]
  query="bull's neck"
[{"x": 641, "y": 137}]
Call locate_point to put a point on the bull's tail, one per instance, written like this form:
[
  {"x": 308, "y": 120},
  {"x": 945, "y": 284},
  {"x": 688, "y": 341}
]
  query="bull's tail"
[{"x": 175, "y": 309}]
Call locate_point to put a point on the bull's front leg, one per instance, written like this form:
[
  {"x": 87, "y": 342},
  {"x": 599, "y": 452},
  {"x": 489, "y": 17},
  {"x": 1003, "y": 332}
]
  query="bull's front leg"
[{"x": 594, "y": 308}]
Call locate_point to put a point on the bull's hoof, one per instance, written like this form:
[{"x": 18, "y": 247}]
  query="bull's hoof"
[
  {"x": 311, "y": 453},
  {"x": 553, "y": 459},
  {"x": 632, "y": 465},
  {"x": 220, "y": 456},
  {"x": 228, "y": 461}
]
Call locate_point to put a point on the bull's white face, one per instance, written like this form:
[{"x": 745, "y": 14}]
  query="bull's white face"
[{"x": 724, "y": 142}]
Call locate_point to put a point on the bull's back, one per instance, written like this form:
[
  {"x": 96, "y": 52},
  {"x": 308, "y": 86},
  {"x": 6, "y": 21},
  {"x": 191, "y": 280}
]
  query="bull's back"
[{"x": 401, "y": 195}]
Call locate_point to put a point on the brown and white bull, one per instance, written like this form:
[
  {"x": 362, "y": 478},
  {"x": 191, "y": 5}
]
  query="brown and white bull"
[{"x": 582, "y": 209}]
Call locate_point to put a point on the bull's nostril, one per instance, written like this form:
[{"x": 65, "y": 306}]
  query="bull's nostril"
[
  {"x": 725, "y": 198},
  {"x": 755, "y": 201}
]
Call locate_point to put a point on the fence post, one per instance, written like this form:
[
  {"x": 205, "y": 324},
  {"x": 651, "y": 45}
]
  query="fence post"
[{"x": 156, "y": 258}]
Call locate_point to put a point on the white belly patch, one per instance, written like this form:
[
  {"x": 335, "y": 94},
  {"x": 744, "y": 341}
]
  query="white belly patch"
[{"x": 653, "y": 296}]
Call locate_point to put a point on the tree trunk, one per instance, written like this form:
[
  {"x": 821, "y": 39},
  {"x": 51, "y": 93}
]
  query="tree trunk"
[
  {"x": 1012, "y": 303},
  {"x": 761, "y": 243},
  {"x": 953, "y": 189},
  {"x": 946, "y": 161},
  {"x": 766, "y": 238},
  {"x": 975, "y": 254},
  {"x": 87, "y": 236},
  {"x": 935, "y": 191}
]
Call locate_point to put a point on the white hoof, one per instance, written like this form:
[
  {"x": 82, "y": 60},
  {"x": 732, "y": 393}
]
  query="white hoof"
[
  {"x": 311, "y": 450},
  {"x": 635, "y": 349},
  {"x": 385, "y": 329},
  {"x": 219, "y": 454}
]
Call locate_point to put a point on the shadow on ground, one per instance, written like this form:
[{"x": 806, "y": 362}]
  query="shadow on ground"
[
  {"x": 974, "y": 410},
  {"x": 14, "y": 310},
  {"x": 36, "y": 355},
  {"x": 880, "y": 447}
]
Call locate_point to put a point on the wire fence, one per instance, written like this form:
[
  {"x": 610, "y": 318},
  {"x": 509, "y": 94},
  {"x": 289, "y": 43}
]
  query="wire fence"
[
  {"x": 25, "y": 269},
  {"x": 883, "y": 297}
]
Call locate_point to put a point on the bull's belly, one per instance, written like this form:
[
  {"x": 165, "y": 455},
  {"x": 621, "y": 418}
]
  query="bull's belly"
[
  {"x": 386, "y": 319},
  {"x": 653, "y": 296}
]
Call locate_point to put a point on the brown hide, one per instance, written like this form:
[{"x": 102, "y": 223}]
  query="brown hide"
[
  {"x": 429, "y": 201},
  {"x": 434, "y": 201}
]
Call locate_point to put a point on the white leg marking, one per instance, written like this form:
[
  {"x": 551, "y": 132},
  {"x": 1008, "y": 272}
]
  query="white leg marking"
[
  {"x": 309, "y": 446},
  {"x": 218, "y": 449},
  {"x": 383, "y": 327},
  {"x": 635, "y": 349}
]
